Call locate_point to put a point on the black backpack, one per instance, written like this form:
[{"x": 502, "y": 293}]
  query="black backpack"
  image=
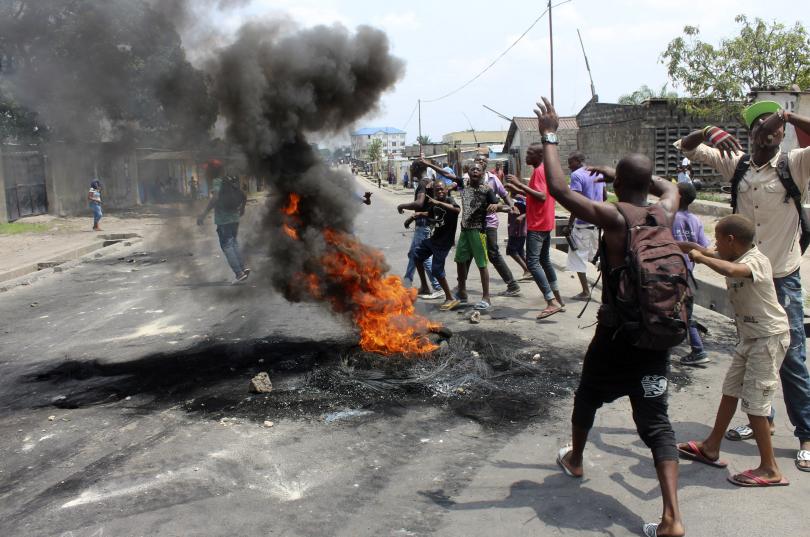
[
  {"x": 231, "y": 196},
  {"x": 792, "y": 192}
]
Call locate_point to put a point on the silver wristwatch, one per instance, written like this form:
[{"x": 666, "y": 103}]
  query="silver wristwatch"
[{"x": 549, "y": 138}]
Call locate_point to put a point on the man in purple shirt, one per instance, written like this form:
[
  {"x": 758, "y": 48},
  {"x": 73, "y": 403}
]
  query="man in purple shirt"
[
  {"x": 583, "y": 235},
  {"x": 686, "y": 227}
]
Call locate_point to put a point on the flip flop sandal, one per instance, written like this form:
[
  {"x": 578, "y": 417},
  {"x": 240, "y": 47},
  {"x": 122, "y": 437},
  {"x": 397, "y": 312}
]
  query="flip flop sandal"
[
  {"x": 650, "y": 529},
  {"x": 449, "y": 306},
  {"x": 802, "y": 455},
  {"x": 482, "y": 305},
  {"x": 693, "y": 453},
  {"x": 758, "y": 482},
  {"x": 560, "y": 456},
  {"x": 546, "y": 313}
]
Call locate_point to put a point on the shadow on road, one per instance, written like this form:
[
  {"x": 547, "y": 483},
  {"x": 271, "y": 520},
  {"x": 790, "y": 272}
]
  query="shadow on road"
[{"x": 558, "y": 501}]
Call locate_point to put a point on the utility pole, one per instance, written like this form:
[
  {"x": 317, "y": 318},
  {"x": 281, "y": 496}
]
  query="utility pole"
[
  {"x": 551, "y": 50},
  {"x": 587, "y": 66},
  {"x": 419, "y": 140}
]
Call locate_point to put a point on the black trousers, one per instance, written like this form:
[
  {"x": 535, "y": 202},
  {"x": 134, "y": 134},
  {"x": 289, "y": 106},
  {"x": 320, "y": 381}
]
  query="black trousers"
[{"x": 612, "y": 369}]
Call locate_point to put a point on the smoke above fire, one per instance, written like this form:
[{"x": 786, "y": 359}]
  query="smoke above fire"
[{"x": 275, "y": 84}]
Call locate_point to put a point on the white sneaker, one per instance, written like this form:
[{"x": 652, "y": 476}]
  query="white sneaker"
[
  {"x": 407, "y": 282},
  {"x": 436, "y": 294}
]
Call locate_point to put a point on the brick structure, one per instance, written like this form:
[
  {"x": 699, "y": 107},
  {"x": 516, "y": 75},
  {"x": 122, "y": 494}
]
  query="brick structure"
[{"x": 609, "y": 131}]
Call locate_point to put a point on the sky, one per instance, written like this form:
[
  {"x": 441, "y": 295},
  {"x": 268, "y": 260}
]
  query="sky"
[{"x": 444, "y": 44}]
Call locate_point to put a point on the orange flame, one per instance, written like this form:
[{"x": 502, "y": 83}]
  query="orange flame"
[
  {"x": 291, "y": 210},
  {"x": 291, "y": 232},
  {"x": 292, "y": 204},
  {"x": 354, "y": 282}
]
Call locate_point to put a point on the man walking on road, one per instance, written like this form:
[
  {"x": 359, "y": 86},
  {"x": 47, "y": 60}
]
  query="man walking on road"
[
  {"x": 584, "y": 235},
  {"x": 614, "y": 366},
  {"x": 228, "y": 202},
  {"x": 758, "y": 184}
]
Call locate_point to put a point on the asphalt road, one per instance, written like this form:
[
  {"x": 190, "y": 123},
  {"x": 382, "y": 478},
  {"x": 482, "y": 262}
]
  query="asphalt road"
[{"x": 125, "y": 412}]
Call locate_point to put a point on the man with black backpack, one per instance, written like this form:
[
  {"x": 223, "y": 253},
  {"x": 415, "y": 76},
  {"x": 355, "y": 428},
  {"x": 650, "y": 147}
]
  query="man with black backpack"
[
  {"x": 228, "y": 202},
  {"x": 643, "y": 313},
  {"x": 767, "y": 187}
]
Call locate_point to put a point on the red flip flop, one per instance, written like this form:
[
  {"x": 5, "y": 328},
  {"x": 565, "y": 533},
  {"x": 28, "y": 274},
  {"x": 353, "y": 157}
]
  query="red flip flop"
[
  {"x": 548, "y": 312},
  {"x": 693, "y": 453},
  {"x": 757, "y": 481}
]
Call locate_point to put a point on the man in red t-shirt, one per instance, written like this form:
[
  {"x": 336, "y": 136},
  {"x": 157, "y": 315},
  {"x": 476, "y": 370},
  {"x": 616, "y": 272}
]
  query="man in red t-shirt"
[{"x": 540, "y": 223}]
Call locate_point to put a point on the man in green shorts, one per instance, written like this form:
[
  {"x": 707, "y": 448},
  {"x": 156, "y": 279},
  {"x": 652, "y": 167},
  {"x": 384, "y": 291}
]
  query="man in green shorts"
[{"x": 477, "y": 199}]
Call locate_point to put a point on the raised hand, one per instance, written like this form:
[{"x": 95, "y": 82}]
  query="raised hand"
[
  {"x": 547, "y": 120},
  {"x": 725, "y": 142},
  {"x": 608, "y": 173}
]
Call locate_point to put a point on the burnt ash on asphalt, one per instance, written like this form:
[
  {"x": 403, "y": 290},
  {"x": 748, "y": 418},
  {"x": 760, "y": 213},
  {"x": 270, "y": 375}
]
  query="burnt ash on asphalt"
[{"x": 484, "y": 375}]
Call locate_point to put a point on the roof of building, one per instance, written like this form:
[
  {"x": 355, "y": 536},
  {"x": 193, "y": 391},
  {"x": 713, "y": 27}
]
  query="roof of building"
[
  {"x": 469, "y": 137},
  {"x": 374, "y": 130},
  {"x": 528, "y": 124}
]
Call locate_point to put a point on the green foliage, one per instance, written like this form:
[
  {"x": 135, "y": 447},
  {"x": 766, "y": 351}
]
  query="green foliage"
[
  {"x": 762, "y": 55},
  {"x": 15, "y": 228},
  {"x": 645, "y": 92},
  {"x": 375, "y": 150},
  {"x": 423, "y": 140}
]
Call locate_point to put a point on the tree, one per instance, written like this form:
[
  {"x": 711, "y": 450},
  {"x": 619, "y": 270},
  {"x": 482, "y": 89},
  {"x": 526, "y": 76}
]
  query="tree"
[
  {"x": 645, "y": 92},
  {"x": 374, "y": 150},
  {"x": 763, "y": 55},
  {"x": 423, "y": 140}
]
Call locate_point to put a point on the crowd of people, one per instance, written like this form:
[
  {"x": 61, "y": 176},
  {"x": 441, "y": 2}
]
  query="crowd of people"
[{"x": 644, "y": 313}]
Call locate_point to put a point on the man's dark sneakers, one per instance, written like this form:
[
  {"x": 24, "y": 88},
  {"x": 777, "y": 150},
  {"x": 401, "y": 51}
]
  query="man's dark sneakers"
[
  {"x": 695, "y": 358},
  {"x": 515, "y": 291}
]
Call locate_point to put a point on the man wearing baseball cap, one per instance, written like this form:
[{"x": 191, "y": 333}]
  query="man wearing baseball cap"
[{"x": 759, "y": 193}]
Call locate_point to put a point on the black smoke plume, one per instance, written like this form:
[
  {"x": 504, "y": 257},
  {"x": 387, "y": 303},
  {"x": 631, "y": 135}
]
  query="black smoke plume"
[{"x": 275, "y": 84}]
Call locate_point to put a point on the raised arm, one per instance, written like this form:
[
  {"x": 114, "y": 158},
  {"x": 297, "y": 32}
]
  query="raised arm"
[
  {"x": 602, "y": 215},
  {"x": 440, "y": 171},
  {"x": 518, "y": 185},
  {"x": 668, "y": 195}
]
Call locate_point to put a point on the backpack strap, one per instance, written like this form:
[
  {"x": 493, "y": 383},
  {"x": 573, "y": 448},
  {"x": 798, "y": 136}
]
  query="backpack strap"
[
  {"x": 739, "y": 173},
  {"x": 792, "y": 192}
]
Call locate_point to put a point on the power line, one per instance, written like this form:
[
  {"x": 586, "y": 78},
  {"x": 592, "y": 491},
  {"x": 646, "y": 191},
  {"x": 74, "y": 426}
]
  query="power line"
[
  {"x": 410, "y": 117},
  {"x": 496, "y": 60}
]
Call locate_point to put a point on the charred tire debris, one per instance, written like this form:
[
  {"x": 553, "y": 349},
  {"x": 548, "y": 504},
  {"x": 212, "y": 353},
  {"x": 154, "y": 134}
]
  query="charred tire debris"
[{"x": 492, "y": 377}]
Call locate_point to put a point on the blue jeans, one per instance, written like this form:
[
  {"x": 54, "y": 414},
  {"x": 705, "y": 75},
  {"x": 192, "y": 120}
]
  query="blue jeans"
[
  {"x": 230, "y": 247},
  {"x": 795, "y": 380},
  {"x": 420, "y": 233},
  {"x": 538, "y": 258},
  {"x": 97, "y": 214}
]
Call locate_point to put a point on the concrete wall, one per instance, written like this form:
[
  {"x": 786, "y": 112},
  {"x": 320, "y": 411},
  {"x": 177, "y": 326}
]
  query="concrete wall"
[
  {"x": 69, "y": 170},
  {"x": 609, "y": 131},
  {"x": 3, "y": 212}
]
